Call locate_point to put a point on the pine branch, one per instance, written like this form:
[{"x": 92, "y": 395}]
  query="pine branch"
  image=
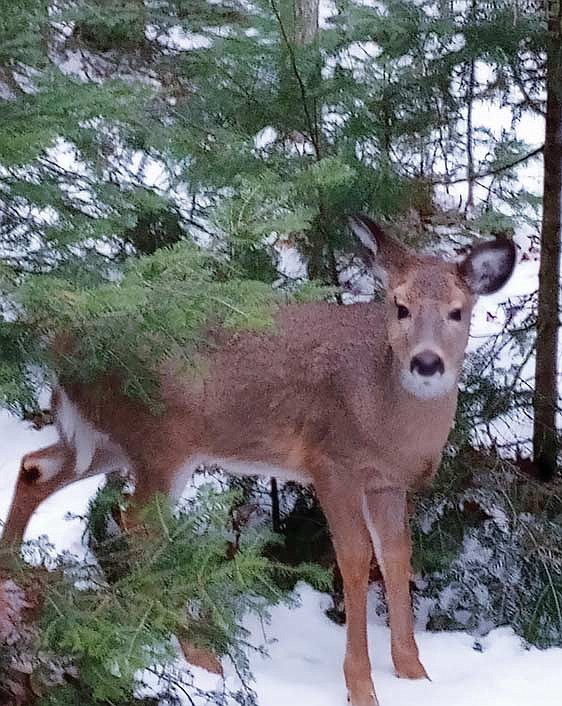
[{"x": 491, "y": 172}]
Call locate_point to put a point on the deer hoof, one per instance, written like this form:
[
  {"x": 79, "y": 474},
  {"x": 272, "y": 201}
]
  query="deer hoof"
[
  {"x": 362, "y": 698},
  {"x": 411, "y": 670}
]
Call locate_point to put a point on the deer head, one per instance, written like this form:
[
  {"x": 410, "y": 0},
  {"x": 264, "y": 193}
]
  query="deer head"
[{"x": 429, "y": 302}]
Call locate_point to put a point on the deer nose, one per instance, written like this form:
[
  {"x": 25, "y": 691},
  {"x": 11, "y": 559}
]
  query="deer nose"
[{"x": 427, "y": 363}]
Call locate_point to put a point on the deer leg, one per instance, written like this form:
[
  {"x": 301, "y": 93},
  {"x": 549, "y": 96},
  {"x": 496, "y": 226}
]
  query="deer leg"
[
  {"x": 152, "y": 477},
  {"x": 200, "y": 657},
  {"x": 42, "y": 473},
  {"x": 353, "y": 551},
  {"x": 386, "y": 516},
  {"x": 151, "y": 480}
]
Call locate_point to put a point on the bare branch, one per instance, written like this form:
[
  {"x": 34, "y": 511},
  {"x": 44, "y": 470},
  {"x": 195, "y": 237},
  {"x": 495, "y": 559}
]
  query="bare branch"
[{"x": 495, "y": 170}]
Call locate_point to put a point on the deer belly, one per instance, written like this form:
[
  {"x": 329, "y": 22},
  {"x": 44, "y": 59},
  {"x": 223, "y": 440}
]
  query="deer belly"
[
  {"x": 257, "y": 468},
  {"x": 235, "y": 467}
]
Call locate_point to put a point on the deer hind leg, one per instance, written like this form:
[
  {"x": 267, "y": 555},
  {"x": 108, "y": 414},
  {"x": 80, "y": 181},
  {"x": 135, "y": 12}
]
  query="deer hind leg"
[
  {"x": 353, "y": 551},
  {"x": 200, "y": 657},
  {"x": 386, "y": 515},
  {"x": 42, "y": 473},
  {"x": 153, "y": 477},
  {"x": 36, "y": 481}
]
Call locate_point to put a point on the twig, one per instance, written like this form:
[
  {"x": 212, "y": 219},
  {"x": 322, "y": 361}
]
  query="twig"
[
  {"x": 491, "y": 172},
  {"x": 311, "y": 125}
]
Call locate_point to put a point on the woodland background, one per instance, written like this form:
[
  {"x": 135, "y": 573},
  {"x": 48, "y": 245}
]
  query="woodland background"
[{"x": 165, "y": 164}]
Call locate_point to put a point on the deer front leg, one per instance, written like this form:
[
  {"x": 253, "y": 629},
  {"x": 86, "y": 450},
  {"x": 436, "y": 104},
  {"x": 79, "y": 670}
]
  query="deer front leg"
[
  {"x": 386, "y": 515},
  {"x": 353, "y": 551},
  {"x": 153, "y": 477}
]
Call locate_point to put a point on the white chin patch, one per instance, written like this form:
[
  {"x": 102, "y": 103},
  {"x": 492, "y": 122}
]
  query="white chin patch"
[{"x": 427, "y": 387}]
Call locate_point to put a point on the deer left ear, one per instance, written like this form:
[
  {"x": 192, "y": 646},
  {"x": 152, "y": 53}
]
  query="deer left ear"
[{"x": 488, "y": 266}]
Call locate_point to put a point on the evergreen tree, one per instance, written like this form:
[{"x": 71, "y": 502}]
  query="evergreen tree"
[
  {"x": 265, "y": 133},
  {"x": 86, "y": 640}
]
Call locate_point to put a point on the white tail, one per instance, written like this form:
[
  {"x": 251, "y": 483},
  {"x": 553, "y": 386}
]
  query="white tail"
[{"x": 357, "y": 400}]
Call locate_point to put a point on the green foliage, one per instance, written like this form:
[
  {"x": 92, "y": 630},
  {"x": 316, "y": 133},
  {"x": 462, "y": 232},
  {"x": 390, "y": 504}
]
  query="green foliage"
[
  {"x": 109, "y": 24},
  {"x": 488, "y": 549},
  {"x": 117, "y": 83},
  {"x": 155, "y": 311},
  {"x": 65, "y": 107},
  {"x": 179, "y": 577},
  {"x": 22, "y": 27}
]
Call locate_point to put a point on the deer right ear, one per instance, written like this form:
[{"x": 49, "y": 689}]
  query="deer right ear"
[
  {"x": 379, "y": 250},
  {"x": 368, "y": 232}
]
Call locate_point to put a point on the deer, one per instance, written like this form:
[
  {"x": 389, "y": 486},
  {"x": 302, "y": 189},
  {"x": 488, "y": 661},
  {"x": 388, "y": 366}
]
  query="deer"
[{"x": 357, "y": 400}]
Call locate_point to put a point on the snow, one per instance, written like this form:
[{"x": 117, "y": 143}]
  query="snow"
[
  {"x": 306, "y": 649},
  {"x": 305, "y": 665}
]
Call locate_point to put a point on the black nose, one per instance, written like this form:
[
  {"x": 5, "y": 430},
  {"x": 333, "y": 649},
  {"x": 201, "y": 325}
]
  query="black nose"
[{"x": 427, "y": 363}]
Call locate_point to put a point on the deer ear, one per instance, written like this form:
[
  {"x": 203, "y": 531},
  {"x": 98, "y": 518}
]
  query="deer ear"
[
  {"x": 379, "y": 250},
  {"x": 368, "y": 233},
  {"x": 488, "y": 266}
]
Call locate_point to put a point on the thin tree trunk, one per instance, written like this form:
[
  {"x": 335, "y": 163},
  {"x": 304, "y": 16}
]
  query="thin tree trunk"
[
  {"x": 275, "y": 512},
  {"x": 469, "y": 140},
  {"x": 545, "y": 438},
  {"x": 299, "y": 24},
  {"x": 306, "y": 21}
]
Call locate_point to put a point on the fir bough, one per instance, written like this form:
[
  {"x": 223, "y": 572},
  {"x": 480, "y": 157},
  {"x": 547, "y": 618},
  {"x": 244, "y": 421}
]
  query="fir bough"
[
  {"x": 158, "y": 309},
  {"x": 179, "y": 577},
  {"x": 488, "y": 544}
]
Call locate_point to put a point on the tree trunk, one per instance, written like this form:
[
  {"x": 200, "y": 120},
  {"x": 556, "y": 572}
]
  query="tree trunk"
[
  {"x": 275, "y": 511},
  {"x": 298, "y": 23},
  {"x": 469, "y": 139},
  {"x": 306, "y": 21},
  {"x": 545, "y": 438},
  {"x": 469, "y": 123}
]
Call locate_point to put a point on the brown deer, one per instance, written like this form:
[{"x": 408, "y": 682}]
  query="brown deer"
[{"x": 357, "y": 400}]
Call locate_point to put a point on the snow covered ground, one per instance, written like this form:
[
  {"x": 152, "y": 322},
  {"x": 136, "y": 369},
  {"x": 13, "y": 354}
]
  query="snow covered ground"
[
  {"x": 306, "y": 649},
  {"x": 305, "y": 665}
]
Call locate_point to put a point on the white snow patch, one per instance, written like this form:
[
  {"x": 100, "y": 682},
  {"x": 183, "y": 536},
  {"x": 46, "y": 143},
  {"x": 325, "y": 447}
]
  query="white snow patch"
[
  {"x": 305, "y": 664},
  {"x": 265, "y": 137}
]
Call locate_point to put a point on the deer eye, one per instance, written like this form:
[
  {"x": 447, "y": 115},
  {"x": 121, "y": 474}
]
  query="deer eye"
[
  {"x": 403, "y": 311},
  {"x": 455, "y": 314}
]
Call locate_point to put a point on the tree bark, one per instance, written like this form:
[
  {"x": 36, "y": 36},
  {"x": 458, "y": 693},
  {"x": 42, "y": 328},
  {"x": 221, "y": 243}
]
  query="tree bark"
[
  {"x": 469, "y": 139},
  {"x": 545, "y": 402},
  {"x": 298, "y": 23},
  {"x": 306, "y": 21},
  {"x": 275, "y": 511},
  {"x": 469, "y": 123}
]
